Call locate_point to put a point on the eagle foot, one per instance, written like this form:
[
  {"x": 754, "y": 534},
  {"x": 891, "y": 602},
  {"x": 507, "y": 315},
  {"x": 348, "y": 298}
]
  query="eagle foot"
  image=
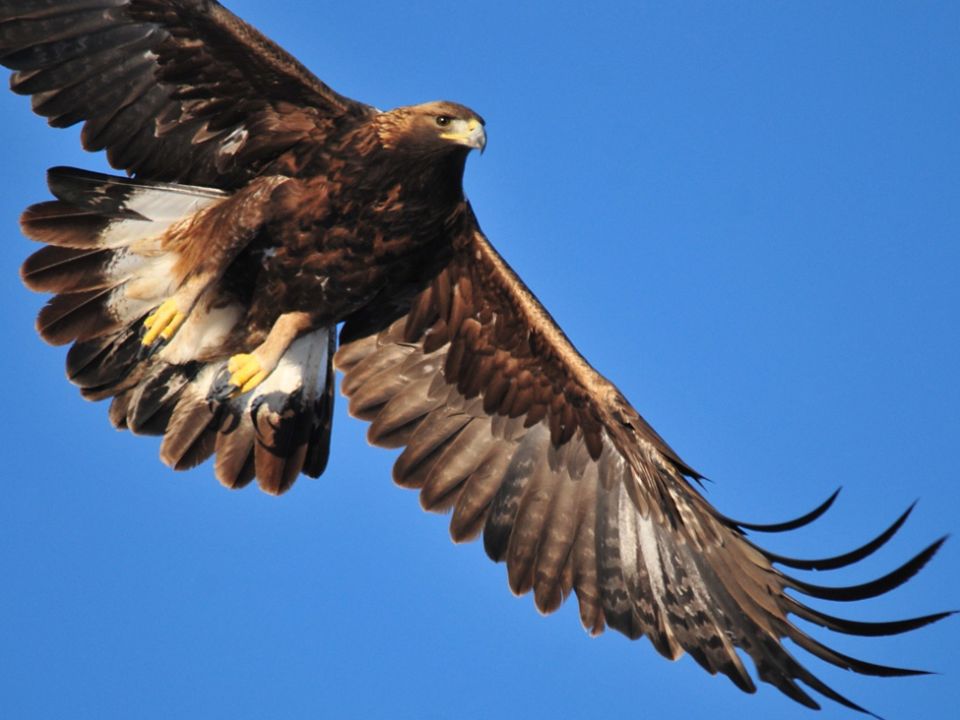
[
  {"x": 242, "y": 373},
  {"x": 161, "y": 325}
]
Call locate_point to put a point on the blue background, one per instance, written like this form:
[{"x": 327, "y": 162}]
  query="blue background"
[{"x": 745, "y": 213}]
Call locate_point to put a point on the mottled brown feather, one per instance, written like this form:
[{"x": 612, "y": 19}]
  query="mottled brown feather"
[{"x": 601, "y": 506}]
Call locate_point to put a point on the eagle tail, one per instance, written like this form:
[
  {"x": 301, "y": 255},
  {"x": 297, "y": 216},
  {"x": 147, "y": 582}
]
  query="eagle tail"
[
  {"x": 106, "y": 261},
  {"x": 276, "y": 431},
  {"x": 273, "y": 433}
]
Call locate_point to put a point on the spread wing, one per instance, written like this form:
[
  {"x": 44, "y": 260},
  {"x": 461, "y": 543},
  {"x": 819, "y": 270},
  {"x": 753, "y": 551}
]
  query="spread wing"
[
  {"x": 174, "y": 90},
  {"x": 505, "y": 424}
]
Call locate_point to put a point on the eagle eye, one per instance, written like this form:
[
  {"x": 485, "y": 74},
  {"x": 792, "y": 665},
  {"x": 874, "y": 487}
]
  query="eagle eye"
[{"x": 443, "y": 120}]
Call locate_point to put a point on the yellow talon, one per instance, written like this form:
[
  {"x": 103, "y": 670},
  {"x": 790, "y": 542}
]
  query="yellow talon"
[
  {"x": 163, "y": 322},
  {"x": 246, "y": 372}
]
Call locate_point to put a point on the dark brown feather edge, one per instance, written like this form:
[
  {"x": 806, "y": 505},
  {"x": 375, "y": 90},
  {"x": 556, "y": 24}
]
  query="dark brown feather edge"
[{"x": 429, "y": 325}]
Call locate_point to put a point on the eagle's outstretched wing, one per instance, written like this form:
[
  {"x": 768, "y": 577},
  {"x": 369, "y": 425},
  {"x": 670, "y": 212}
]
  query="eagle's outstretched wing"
[
  {"x": 503, "y": 422},
  {"x": 177, "y": 91}
]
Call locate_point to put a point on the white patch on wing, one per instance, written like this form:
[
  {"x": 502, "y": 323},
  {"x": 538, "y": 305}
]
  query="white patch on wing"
[
  {"x": 140, "y": 262},
  {"x": 170, "y": 202},
  {"x": 160, "y": 208},
  {"x": 123, "y": 233},
  {"x": 140, "y": 266}
]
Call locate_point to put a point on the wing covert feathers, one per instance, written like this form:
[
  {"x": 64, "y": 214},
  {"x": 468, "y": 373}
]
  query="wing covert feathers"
[
  {"x": 504, "y": 425},
  {"x": 174, "y": 91}
]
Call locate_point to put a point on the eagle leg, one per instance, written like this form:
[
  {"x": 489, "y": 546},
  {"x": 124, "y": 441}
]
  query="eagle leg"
[{"x": 245, "y": 371}]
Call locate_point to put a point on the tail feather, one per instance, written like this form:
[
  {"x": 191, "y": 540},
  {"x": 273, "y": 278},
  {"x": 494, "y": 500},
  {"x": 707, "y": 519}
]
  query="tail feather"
[
  {"x": 117, "y": 414},
  {"x": 191, "y": 433},
  {"x": 234, "y": 465},
  {"x": 319, "y": 445},
  {"x": 106, "y": 260},
  {"x": 280, "y": 425},
  {"x": 152, "y": 401}
]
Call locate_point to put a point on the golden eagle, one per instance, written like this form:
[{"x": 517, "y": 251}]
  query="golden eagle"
[{"x": 263, "y": 210}]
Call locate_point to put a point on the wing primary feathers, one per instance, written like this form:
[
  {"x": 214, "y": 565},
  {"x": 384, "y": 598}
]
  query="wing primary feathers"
[
  {"x": 40, "y": 57},
  {"x": 860, "y": 628},
  {"x": 20, "y": 30},
  {"x": 846, "y": 559},
  {"x": 871, "y": 589},
  {"x": 67, "y": 106},
  {"x": 821, "y": 687},
  {"x": 799, "y": 522},
  {"x": 850, "y": 663},
  {"x": 93, "y": 61}
]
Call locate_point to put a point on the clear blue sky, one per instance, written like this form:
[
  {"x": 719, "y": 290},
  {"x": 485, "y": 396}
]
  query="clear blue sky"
[{"x": 747, "y": 214}]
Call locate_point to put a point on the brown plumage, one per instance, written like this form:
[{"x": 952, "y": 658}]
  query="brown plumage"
[{"x": 264, "y": 209}]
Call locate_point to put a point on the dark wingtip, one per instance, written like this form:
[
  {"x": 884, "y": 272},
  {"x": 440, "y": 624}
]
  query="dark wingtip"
[
  {"x": 865, "y": 629},
  {"x": 874, "y": 588},
  {"x": 790, "y": 524},
  {"x": 846, "y": 559},
  {"x": 840, "y": 660}
]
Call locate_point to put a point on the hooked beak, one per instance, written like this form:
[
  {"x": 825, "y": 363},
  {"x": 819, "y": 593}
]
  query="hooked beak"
[{"x": 469, "y": 133}]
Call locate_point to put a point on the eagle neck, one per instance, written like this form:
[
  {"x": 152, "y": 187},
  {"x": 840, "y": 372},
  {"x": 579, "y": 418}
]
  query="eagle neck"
[{"x": 441, "y": 178}]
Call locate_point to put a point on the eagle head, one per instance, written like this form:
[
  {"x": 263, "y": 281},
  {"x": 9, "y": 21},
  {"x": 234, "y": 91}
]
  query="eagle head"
[{"x": 432, "y": 127}]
